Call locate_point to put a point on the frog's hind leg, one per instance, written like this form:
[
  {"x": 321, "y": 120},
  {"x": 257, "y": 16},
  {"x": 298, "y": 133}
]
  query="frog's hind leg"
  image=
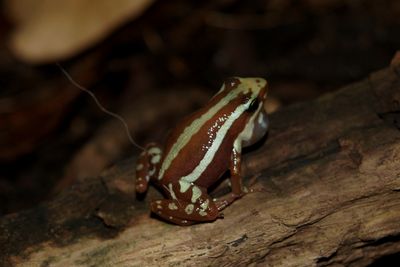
[
  {"x": 147, "y": 166},
  {"x": 164, "y": 208},
  {"x": 186, "y": 204}
]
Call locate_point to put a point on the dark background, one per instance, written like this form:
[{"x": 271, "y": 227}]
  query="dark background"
[{"x": 177, "y": 49}]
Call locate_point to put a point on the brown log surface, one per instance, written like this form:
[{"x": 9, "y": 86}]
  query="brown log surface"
[{"x": 330, "y": 170}]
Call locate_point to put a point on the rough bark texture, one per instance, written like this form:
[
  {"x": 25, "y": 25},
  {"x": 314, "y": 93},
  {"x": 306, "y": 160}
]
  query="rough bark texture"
[{"x": 330, "y": 173}]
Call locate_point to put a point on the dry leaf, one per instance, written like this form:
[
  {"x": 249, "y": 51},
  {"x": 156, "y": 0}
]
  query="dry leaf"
[{"x": 52, "y": 30}]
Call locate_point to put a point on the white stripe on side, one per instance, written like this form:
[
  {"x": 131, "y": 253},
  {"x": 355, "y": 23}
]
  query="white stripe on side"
[
  {"x": 208, "y": 157},
  {"x": 195, "y": 126}
]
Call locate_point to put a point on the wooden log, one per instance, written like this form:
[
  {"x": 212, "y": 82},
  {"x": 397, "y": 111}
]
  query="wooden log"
[{"x": 330, "y": 178}]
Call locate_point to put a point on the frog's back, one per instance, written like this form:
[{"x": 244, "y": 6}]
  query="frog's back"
[{"x": 199, "y": 141}]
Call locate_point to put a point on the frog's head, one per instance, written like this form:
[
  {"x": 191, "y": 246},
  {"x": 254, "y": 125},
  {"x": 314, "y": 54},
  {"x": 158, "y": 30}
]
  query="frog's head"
[
  {"x": 250, "y": 93},
  {"x": 253, "y": 93}
]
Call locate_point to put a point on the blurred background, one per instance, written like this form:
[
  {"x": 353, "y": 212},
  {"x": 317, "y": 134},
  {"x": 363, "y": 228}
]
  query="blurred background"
[{"x": 153, "y": 62}]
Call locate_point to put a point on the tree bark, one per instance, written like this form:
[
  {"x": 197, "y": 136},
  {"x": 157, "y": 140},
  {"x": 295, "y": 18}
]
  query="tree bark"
[{"x": 329, "y": 194}]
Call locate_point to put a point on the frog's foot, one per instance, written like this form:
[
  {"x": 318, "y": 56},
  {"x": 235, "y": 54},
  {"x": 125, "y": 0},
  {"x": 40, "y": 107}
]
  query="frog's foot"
[{"x": 225, "y": 201}]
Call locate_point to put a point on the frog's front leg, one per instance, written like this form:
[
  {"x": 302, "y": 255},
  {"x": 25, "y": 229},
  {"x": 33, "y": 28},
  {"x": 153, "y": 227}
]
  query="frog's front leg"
[
  {"x": 236, "y": 181},
  {"x": 187, "y": 204}
]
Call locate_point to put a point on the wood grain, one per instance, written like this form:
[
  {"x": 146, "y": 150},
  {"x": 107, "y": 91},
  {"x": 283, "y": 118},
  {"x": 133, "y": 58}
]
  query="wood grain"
[{"x": 329, "y": 174}]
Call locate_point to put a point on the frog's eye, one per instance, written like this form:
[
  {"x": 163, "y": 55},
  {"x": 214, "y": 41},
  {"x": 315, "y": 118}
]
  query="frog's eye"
[
  {"x": 232, "y": 83},
  {"x": 253, "y": 105}
]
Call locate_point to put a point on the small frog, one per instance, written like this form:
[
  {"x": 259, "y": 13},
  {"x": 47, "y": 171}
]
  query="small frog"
[{"x": 200, "y": 149}]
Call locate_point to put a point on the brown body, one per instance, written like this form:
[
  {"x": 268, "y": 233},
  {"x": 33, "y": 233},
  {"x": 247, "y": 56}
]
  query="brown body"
[
  {"x": 201, "y": 148},
  {"x": 189, "y": 156}
]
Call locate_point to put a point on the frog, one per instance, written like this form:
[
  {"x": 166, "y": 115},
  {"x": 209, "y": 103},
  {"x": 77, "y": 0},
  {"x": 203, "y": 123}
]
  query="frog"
[{"x": 200, "y": 149}]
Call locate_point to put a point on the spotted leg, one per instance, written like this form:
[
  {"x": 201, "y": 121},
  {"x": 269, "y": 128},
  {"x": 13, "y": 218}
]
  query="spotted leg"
[
  {"x": 186, "y": 204},
  {"x": 147, "y": 166}
]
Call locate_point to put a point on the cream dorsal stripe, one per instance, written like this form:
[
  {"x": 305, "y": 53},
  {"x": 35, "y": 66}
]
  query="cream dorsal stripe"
[
  {"x": 194, "y": 127},
  {"x": 208, "y": 157},
  {"x": 202, "y": 147}
]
